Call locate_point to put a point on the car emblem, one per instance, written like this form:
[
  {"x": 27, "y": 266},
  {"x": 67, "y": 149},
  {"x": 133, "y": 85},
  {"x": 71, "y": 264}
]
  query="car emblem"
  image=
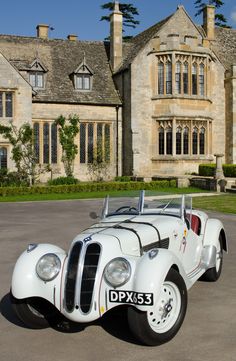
[{"x": 87, "y": 239}]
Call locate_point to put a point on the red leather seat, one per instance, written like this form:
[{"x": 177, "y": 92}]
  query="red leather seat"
[{"x": 196, "y": 224}]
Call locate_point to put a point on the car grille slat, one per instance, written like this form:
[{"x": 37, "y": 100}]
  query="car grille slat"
[
  {"x": 89, "y": 275},
  {"x": 71, "y": 276},
  {"x": 87, "y": 262}
]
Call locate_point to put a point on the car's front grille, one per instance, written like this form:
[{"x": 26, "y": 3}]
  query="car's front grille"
[{"x": 81, "y": 275}]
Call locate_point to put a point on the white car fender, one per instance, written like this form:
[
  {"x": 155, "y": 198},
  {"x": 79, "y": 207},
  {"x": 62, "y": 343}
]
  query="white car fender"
[
  {"x": 151, "y": 273},
  {"x": 25, "y": 281},
  {"x": 214, "y": 228}
]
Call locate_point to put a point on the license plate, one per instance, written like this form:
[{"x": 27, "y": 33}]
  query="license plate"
[{"x": 134, "y": 298}]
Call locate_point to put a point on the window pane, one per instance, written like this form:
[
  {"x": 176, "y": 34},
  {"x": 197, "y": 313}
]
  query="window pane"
[
  {"x": 1, "y": 104},
  {"x": 161, "y": 141},
  {"x": 169, "y": 141},
  {"x": 9, "y": 108},
  {"x": 99, "y": 143},
  {"x": 178, "y": 77},
  {"x": 185, "y": 78},
  {"x": 178, "y": 140},
  {"x": 201, "y": 79},
  {"x": 54, "y": 143},
  {"x": 90, "y": 143},
  {"x": 202, "y": 141},
  {"x": 46, "y": 143},
  {"x": 169, "y": 78},
  {"x": 79, "y": 82},
  {"x": 3, "y": 158},
  {"x": 86, "y": 82},
  {"x": 107, "y": 142},
  {"x": 82, "y": 142},
  {"x": 32, "y": 79},
  {"x": 160, "y": 78},
  {"x": 40, "y": 80},
  {"x": 194, "y": 79},
  {"x": 36, "y": 141},
  {"x": 195, "y": 140},
  {"x": 186, "y": 140}
]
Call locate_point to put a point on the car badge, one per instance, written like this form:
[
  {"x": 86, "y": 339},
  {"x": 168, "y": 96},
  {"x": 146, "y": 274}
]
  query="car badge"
[{"x": 87, "y": 239}]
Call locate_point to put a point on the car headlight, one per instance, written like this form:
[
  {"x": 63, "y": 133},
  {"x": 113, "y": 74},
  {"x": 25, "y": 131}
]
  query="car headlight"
[
  {"x": 117, "y": 272},
  {"x": 48, "y": 267}
]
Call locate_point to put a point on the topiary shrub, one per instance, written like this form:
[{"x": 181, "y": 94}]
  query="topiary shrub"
[{"x": 207, "y": 170}]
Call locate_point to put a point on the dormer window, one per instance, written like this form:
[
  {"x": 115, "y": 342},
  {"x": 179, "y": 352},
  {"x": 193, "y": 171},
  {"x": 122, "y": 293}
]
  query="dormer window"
[
  {"x": 83, "y": 82},
  {"x": 83, "y": 77},
  {"x": 37, "y": 74}
]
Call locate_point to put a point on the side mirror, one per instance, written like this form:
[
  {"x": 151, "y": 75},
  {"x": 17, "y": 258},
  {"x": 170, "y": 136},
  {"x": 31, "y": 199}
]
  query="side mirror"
[{"x": 93, "y": 215}]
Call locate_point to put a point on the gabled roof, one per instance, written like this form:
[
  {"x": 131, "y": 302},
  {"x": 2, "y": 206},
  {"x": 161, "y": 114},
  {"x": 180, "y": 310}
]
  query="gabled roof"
[
  {"x": 61, "y": 58},
  {"x": 225, "y": 46}
]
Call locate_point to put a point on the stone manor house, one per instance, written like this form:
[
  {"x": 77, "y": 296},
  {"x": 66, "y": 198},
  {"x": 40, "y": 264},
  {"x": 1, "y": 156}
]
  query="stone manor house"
[{"x": 160, "y": 104}]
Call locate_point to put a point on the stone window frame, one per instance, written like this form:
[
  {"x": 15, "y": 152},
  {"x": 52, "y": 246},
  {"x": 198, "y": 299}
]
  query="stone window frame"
[
  {"x": 46, "y": 153},
  {"x": 181, "y": 84},
  {"x": 94, "y": 135},
  {"x": 82, "y": 74},
  {"x": 183, "y": 133},
  {"x": 3, "y": 104}
]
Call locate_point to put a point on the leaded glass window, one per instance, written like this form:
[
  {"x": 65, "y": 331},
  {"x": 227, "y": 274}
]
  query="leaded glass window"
[
  {"x": 179, "y": 140},
  {"x": 46, "y": 143},
  {"x": 82, "y": 143},
  {"x": 83, "y": 82},
  {"x": 178, "y": 77},
  {"x": 107, "y": 142},
  {"x": 194, "y": 79},
  {"x": 36, "y": 141},
  {"x": 195, "y": 140},
  {"x": 3, "y": 157},
  {"x": 169, "y": 140},
  {"x": 160, "y": 78},
  {"x": 201, "y": 79},
  {"x": 36, "y": 79},
  {"x": 161, "y": 141},
  {"x": 202, "y": 141},
  {"x": 53, "y": 143},
  {"x": 186, "y": 140},
  {"x": 185, "y": 78},
  {"x": 99, "y": 143},
  {"x": 90, "y": 143},
  {"x": 168, "y": 77},
  {"x": 1, "y": 104}
]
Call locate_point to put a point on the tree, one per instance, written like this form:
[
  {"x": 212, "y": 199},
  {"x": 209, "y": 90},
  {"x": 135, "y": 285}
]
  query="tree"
[
  {"x": 23, "y": 153},
  {"x": 129, "y": 12},
  {"x": 220, "y": 19},
  {"x": 68, "y": 129}
]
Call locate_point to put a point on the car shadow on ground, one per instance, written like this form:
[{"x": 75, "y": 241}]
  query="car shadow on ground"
[{"x": 113, "y": 322}]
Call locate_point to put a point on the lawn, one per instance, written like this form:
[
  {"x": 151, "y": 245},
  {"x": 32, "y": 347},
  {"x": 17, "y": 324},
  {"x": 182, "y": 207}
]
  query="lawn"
[{"x": 221, "y": 203}]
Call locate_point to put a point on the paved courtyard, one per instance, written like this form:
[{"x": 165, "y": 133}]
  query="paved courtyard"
[{"x": 208, "y": 332}]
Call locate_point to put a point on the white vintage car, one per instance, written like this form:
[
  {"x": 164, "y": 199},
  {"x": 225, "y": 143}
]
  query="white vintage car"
[{"x": 145, "y": 256}]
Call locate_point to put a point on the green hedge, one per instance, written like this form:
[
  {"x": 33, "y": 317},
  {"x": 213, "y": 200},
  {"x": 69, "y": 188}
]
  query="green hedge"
[
  {"x": 87, "y": 187},
  {"x": 208, "y": 170}
]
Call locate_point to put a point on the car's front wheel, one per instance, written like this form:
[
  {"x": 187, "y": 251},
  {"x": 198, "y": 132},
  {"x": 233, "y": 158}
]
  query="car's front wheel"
[
  {"x": 161, "y": 323},
  {"x": 35, "y": 312}
]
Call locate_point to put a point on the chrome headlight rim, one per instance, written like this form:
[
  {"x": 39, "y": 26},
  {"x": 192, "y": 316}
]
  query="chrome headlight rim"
[
  {"x": 57, "y": 267},
  {"x": 128, "y": 270}
]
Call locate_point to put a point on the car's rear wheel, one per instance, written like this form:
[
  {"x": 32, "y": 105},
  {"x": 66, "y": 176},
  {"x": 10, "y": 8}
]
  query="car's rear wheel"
[
  {"x": 35, "y": 312},
  {"x": 161, "y": 323},
  {"x": 213, "y": 274}
]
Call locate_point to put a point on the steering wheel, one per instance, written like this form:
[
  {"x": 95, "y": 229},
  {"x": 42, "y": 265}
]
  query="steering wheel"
[{"x": 126, "y": 208}]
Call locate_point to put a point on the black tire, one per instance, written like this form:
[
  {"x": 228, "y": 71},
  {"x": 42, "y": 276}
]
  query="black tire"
[
  {"x": 35, "y": 312},
  {"x": 213, "y": 274},
  {"x": 150, "y": 327}
]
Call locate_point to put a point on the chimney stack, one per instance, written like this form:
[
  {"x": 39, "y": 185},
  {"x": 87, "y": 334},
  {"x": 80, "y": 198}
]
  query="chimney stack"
[
  {"x": 209, "y": 21},
  {"x": 42, "y": 31},
  {"x": 72, "y": 37},
  {"x": 116, "y": 19}
]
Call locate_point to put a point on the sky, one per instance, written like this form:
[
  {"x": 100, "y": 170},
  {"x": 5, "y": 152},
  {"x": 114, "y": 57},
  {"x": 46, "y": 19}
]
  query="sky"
[{"x": 81, "y": 17}]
